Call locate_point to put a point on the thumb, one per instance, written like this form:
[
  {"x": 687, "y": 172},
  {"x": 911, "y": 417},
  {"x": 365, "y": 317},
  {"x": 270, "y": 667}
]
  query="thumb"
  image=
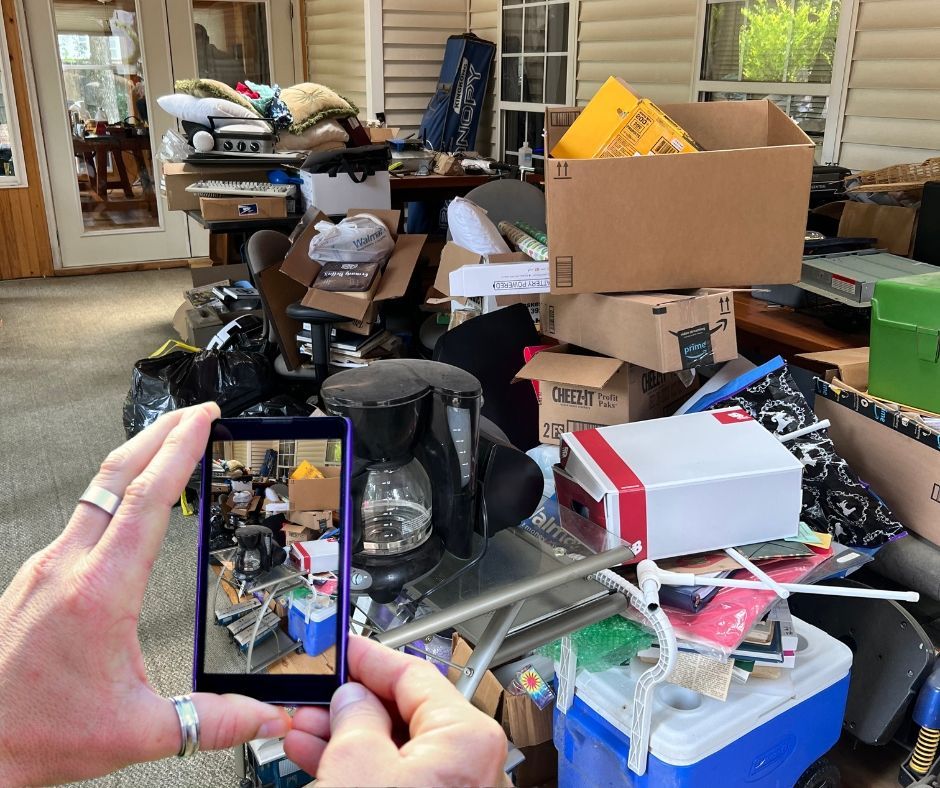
[
  {"x": 355, "y": 711},
  {"x": 227, "y": 720}
]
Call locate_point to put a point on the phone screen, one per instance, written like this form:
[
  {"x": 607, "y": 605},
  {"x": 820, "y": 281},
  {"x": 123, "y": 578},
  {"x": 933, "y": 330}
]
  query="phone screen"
[{"x": 273, "y": 560}]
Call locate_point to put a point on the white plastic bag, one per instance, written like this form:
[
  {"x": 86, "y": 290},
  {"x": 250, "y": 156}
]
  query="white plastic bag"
[
  {"x": 356, "y": 239},
  {"x": 472, "y": 229}
]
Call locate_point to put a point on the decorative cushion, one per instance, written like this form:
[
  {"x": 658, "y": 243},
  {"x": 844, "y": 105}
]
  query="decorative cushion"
[
  {"x": 310, "y": 103},
  {"x": 198, "y": 110},
  {"x": 327, "y": 132},
  {"x": 212, "y": 88}
]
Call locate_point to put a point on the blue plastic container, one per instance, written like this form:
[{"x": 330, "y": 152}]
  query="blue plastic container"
[
  {"x": 758, "y": 737},
  {"x": 313, "y": 625}
]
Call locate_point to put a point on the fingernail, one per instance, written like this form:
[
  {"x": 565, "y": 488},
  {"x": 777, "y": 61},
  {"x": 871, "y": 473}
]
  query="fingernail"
[
  {"x": 346, "y": 696},
  {"x": 274, "y": 729}
]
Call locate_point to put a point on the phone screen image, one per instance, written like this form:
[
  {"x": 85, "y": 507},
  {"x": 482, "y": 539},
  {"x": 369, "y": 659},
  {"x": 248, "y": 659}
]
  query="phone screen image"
[{"x": 273, "y": 595}]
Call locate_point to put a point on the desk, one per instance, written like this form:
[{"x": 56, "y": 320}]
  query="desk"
[
  {"x": 416, "y": 188},
  {"x": 94, "y": 152},
  {"x": 767, "y": 331},
  {"x": 222, "y": 247}
]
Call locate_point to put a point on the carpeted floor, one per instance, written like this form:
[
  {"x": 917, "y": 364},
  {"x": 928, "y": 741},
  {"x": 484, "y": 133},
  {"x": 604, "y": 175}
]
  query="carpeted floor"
[{"x": 67, "y": 347}]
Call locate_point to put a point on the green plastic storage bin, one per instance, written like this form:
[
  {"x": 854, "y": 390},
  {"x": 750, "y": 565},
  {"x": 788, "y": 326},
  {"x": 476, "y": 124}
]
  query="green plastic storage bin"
[{"x": 904, "y": 365}]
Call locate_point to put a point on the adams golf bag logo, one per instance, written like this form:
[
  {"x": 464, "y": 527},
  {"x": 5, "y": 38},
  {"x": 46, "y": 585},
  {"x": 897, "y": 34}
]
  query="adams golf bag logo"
[{"x": 465, "y": 102}]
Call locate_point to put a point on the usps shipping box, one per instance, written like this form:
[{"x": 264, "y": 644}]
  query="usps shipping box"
[{"x": 681, "y": 485}]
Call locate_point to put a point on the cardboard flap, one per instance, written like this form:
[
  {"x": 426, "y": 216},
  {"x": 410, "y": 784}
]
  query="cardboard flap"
[
  {"x": 453, "y": 256},
  {"x": 400, "y": 267},
  {"x": 559, "y": 366},
  {"x": 490, "y": 692},
  {"x": 277, "y": 293},
  {"x": 891, "y": 225},
  {"x": 746, "y": 124},
  {"x": 850, "y": 365}
]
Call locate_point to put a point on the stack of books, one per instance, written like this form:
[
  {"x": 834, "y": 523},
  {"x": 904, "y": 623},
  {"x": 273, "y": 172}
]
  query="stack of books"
[{"x": 353, "y": 350}]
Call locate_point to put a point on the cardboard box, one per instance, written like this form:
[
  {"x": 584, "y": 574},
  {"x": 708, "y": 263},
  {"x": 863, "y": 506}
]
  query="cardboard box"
[
  {"x": 731, "y": 215},
  {"x": 578, "y": 392},
  {"x": 297, "y": 533},
  {"x": 335, "y": 195},
  {"x": 887, "y": 445},
  {"x": 356, "y": 306},
  {"x": 891, "y": 225},
  {"x": 665, "y": 332},
  {"x": 382, "y": 134},
  {"x": 216, "y": 209},
  {"x": 617, "y": 122},
  {"x": 210, "y": 274},
  {"x": 196, "y": 326},
  {"x": 682, "y": 485},
  {"x": 317, "y": 521},
  {"x": 525, "y": 724},
  {"x": 315, "y": 494},
  {"x": 176, "y": 176}
]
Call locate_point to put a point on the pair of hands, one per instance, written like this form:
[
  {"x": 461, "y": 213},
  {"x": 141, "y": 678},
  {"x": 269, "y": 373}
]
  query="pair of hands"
[{"x": 75, "y": 702}]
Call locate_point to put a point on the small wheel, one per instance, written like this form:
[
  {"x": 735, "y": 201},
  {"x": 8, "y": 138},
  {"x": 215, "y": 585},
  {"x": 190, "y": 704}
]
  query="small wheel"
[{"x": 821, "y": 774}]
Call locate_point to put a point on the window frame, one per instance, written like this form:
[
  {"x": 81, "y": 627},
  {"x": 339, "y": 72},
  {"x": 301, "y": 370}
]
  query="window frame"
[
  {"x": 529, "y": 106},
  {"x": 19, "y": 179},
  {"x": 834, "y": 90}
]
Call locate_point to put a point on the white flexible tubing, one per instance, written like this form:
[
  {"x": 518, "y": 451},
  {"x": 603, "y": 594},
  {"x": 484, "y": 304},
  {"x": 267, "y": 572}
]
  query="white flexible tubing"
[{"x": 646, "y": 603}]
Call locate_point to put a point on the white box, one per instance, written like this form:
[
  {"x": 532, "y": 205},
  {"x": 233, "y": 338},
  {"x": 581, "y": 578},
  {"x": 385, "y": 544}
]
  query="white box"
[
  {"x": 683, "y": 484},
  {"x": 497, "y": 279},
  {"x": 336, "y": 195},
  {"x": 320, "y": 555}
]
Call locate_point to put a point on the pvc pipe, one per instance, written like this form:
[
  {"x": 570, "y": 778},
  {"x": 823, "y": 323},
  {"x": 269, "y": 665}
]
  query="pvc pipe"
[
  {"x": 819, "y": 425},
  {"x": 759, "y": 573},
  {"x": 681, "y": 579}
]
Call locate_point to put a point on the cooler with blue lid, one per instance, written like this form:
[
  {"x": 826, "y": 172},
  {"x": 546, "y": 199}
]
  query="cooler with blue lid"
[
  {"x": 767, "y": 733},
  {"x": 312, "y": 621}
]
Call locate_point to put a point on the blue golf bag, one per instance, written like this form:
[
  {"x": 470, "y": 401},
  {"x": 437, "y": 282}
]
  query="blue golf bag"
[{"x": 453, "y": 114}]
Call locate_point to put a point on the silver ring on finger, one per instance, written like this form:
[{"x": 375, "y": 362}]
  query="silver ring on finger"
[
  {"x": 189, "y": 725},
  {"x": 101, "y": 498}
]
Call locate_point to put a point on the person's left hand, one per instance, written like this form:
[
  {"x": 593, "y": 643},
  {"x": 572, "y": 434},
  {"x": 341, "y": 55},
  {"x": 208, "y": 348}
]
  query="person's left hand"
[{"x": 74, "y": 698}]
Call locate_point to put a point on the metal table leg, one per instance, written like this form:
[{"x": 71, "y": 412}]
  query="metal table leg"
[
  {"x": 268, "y": 596},
  {"x": 490, "y": 642}
]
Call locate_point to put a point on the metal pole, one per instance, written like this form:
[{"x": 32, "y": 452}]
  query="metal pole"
[
  {"x": 490, "y": 641},
  {"x": 501, "y": 597},
  {"x": 531, "y": 638}
]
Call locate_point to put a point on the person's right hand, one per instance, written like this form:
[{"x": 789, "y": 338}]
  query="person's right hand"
[{"x": 446, "y": 740}]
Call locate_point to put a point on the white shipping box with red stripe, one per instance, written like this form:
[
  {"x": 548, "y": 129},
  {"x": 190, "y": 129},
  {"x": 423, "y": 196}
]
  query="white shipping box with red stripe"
[
  {"x": 319, "y": 555},
  {"x": 683, "y": 484}
]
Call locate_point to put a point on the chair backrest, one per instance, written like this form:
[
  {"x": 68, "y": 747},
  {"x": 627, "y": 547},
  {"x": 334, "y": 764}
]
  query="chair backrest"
[
  {"x": 511, "y": 200},
  {"x": 264, "y": 249}
]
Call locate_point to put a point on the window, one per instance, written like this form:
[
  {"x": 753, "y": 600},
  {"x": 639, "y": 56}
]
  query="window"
[
  {"x": 787, "y": 51},
  {"x": 535, "y": 69},
  {"x": 12, "y": 173}
]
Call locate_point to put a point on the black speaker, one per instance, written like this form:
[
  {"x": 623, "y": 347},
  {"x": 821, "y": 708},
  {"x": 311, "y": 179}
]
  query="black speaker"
[{"x": 927, "y": 237}]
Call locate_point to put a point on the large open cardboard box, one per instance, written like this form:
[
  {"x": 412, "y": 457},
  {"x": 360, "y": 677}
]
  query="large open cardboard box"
[
  {"x": 315, "y": 494},
  {"x": 731, "y": 215},
  {"x": 356, "y": 306},
  {"x": 883, "y": 442}
]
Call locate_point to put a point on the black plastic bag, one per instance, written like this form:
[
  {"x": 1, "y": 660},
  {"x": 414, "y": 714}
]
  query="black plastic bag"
[
  {"x": 835, "y": 500},
  {"x": 281, "y": 405},
  {"x": 233, "y": 379}
]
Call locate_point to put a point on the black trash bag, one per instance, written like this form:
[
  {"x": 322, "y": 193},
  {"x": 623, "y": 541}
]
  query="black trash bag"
[
  {"x": 233, "y": 379},
  {"x": 835, "y": 500},
  {"x": 281, "y": 405}
]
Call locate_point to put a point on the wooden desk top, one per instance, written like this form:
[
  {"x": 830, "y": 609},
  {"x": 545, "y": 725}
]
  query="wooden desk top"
[{"x": 788, "y": 331}]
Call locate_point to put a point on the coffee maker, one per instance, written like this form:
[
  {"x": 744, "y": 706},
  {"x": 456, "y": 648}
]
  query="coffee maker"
[
  {"x": 414, "y": 487},
  {"x": 256, "y": 552}
]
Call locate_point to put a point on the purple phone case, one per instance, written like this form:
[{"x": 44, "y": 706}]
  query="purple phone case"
[{"x": 286, "y": 689}]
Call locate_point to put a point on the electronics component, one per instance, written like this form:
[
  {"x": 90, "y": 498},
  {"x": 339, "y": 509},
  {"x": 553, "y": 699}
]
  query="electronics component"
[
  {"x": 246, "y": 623},
  {"x": 213, "y": 188},
  {"x": 250, "y": 137},
  {"x": 851, "y": 278},
  {"x": 235, "y": 612}
]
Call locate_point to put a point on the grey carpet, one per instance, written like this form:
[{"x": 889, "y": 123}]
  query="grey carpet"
[{"x": 67, "y": 347}]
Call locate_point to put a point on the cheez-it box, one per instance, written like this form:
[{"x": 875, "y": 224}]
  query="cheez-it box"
[{"x": 681, "y": 485}]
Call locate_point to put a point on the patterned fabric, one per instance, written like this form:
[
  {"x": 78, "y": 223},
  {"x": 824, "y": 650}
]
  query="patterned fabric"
[
  {"x": 269, "y": 104},
  {"x": 835, "y": 500}
]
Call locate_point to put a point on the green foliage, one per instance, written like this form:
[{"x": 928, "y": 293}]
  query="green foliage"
[{"x": 782, "y": 41}]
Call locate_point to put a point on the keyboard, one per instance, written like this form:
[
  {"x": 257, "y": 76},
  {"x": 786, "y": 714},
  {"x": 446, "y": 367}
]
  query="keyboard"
[{"x": 242, "y": 189}]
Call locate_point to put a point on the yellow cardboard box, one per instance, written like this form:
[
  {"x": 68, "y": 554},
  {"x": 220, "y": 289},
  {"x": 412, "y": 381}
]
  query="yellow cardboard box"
[{"x": 617, "y": 123}]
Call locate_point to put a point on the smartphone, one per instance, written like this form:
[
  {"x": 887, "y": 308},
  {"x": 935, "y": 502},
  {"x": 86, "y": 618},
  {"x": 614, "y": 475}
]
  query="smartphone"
[{"x": 272, "y": 605}]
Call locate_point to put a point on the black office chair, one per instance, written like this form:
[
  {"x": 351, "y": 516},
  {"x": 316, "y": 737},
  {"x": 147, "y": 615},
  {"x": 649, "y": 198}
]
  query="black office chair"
[{"x": 280, "y": 297}]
